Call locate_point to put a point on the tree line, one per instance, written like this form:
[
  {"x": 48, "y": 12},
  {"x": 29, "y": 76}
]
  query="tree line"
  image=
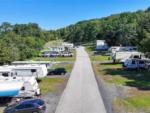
[
  {"x": 129, "y": 28},
  {"x": 24, "y": 41},
  {"x": 21, "y": 41}
]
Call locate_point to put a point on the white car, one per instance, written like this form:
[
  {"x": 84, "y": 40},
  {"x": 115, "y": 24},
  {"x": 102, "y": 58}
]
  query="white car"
[
  {"x": 66, "y": 54},
  {"x": 135, "y": 64}
]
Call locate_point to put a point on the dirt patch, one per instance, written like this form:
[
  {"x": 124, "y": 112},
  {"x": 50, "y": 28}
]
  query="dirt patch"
[
  {"x": 52, "y": 98},
  {"x": 110, "y": 92}
]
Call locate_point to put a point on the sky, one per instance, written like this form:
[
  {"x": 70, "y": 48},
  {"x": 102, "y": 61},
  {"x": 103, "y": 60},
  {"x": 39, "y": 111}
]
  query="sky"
[{"x": 54, "y": 14}]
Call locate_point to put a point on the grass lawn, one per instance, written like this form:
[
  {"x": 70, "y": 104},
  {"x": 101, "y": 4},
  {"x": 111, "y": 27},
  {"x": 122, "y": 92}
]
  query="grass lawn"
[
  {"x": 139, "y": 80},
  {"x": 99, "y": 57},
  {"x": 52, "y": 84},
  {"x": 113, "y": 73},
  {"x": 134, "y": 104},
  {"x": 54, "y": 59}
]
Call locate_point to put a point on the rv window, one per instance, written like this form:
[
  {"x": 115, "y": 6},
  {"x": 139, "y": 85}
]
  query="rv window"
[
  {"x": 23, "y": 88},
  {"x": 133, "y": 62},
  {"x": 5, "y": 74},
  {"x": 33, "y": 70},
  {"x": 136, "y": 56}
]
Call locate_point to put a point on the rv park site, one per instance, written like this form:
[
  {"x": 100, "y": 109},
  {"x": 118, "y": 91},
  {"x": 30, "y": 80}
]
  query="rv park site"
[
  {"x": 74, "y": 56},
  {"x": 123, "y": 84}
]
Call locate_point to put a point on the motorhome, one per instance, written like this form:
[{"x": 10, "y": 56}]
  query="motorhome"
[
  {"x": 38, "y": 71},
  {"x": 19, "y": 87},
  {"x": 119, "y": 56}
]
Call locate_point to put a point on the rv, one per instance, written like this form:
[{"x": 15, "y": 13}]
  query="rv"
[
  {"x": 30, "y": 87},
  {"x": 115, "y": 49},
  {"x": 119, "y": 56},
  {"x": 9, "y": 88},
  {"x": 22, "y": 87},
  {"x": 47, "y": 63},
  {"x": 38, "y": 71},
  {"x": 101, "y": 45}
]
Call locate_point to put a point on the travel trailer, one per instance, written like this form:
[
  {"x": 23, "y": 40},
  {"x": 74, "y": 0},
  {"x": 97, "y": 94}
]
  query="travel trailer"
[
  {"x": 30, "y": 87},
  {"x": 10, "y": 88},
  {"x": 101, "y": 45},
  {"x": 22, "y": 87},
  {"x": 119, "y": 56},
  {"x": 115, "y": 49},
  {"x": 38, "y": 71},
  {"x": 47, "y": 63}
]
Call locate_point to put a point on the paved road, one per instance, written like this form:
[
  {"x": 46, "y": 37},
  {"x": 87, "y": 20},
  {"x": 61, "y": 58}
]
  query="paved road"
[{"x": 81, "y": 94}]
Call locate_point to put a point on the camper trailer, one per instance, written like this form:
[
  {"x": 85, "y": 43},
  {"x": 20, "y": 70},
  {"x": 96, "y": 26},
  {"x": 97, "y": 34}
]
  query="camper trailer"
[
  {"x": 101, "y": 45},
  {"x": 38, "y": 71},
  {"x": 119, "y": 56},
  {"x": 22, "y": 87},
  {"x": 115, "y": 49},
  {"x": 9, "y": 88},
  {"x": 30, "y": 87},
  {"x": 47, "y": 63}
]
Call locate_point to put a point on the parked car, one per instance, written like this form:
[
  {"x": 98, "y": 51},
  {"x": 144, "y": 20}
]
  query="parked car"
[
  {"x": 136, "y": 63},
  {"x": 66, "y": 54},
  {"x": 45, "y": 54},
  {"x": 27, "y": 106},
  {"x": 54, "y": 54},
  {"x": 58, "y": 71}
]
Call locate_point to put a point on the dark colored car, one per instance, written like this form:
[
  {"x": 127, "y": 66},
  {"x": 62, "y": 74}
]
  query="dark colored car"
[
  {"x": 27, "y": 106},
  {"x": 58, "y": 71}
]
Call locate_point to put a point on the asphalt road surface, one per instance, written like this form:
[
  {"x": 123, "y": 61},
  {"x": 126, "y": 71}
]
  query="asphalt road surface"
[{"x": 81, "y": 94}]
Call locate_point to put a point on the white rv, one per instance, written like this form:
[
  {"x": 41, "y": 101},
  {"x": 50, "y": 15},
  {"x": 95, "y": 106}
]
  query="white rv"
[
  {"x": 30, "y": 87},
  {"x": 115, "y": 49},
  {"x": 119, "y": 56},
  {"x": 101, "y": 45},
  {"x": 47, "y": 63},
  {"x": 38, "y": 71}
]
